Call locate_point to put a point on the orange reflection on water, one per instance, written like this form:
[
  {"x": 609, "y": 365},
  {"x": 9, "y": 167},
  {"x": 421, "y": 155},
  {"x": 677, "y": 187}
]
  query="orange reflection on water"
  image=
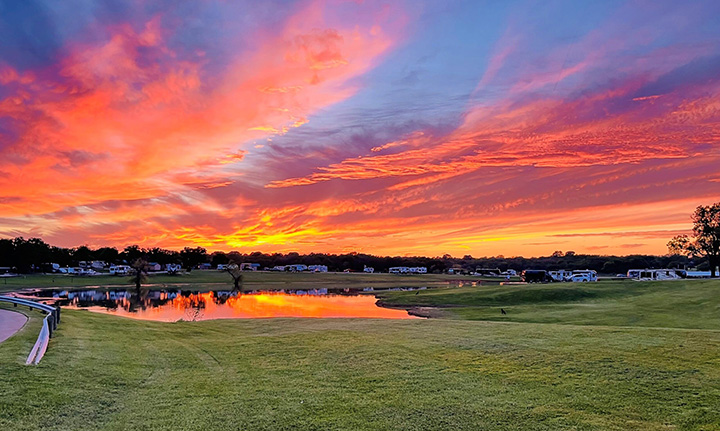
[{"x": 207, "y": 306}]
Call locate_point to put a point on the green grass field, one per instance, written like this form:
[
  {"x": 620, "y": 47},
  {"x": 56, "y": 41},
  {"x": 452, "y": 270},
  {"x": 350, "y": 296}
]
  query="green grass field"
[
  {"x": 553, "y": 365},
  {"x": 669, "y": 304}
]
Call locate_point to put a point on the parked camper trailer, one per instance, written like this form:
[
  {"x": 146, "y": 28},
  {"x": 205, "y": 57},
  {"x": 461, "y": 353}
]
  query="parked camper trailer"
[
  {"x": 173, "y": 268},
  {"x": 561, "y": 275},
  {"x": 489, "y": 272},
  {"x": 652, "y": 274},
  {"x": 120, "y": 269},
  {"x": 297, "y": 267},
  {"x": 399, "y": 270},
  {"x": 318, "y": 268},
  {"x": 536, "y": 276},
  {"x": 686, "y": 273}
]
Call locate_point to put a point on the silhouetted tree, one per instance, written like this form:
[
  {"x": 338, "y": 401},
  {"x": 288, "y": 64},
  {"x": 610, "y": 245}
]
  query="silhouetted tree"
[
  {"x": 107, "y": 254},
  {"x": 234, "y": 270},
  {"x": 82, "y": 253},
  {"x": 139, "y": 276},
  {"x": 132, "y": 253},
  {"x": 705, "y": 240},
  {"x": 192, "y": 257},
  {"x": 218, "y": 258}
]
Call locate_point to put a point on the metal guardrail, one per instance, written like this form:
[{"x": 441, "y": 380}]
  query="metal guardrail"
[{"x": 50, "y": 322}]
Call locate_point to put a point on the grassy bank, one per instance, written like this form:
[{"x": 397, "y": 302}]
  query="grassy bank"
[
  {"x": 104, "y": 372},
  {"x": 676, "y": 304}
]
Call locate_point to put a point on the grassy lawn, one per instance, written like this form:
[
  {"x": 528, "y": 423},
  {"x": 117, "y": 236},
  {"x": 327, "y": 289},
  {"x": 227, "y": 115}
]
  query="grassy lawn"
[
  {"x": 579, "y": 357},
  {"x": 674, "y": 304},
  {"x": 104, "y": 372}
]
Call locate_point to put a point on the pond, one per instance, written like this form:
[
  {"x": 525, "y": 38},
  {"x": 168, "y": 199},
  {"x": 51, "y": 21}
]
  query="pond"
[{"x": 173, "y": 306}]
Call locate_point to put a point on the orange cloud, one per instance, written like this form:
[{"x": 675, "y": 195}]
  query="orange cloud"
[{"x": 139, "y": 115}]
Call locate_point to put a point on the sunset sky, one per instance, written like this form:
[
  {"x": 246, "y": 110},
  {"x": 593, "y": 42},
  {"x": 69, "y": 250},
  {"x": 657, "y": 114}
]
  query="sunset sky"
[{"x": 393, "y": 128}]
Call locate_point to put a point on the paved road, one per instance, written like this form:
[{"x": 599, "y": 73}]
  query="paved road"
[{"x": 10, "y": 323}]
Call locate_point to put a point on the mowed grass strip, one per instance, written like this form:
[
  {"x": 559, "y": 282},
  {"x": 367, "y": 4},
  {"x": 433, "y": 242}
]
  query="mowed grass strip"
[
  {"x": 667, "y": 304},
  {"x": 105, "y": 372}
]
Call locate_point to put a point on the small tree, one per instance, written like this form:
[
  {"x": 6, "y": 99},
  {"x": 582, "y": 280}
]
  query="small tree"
[
  {"x": 234, "y": 270},
  {"x": 705, "y": 240},
  {"x": 139, "y": 276}
]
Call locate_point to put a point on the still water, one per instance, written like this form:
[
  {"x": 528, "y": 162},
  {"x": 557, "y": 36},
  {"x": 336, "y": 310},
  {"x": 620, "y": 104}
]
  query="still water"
[{"x": 172, "y": 306}]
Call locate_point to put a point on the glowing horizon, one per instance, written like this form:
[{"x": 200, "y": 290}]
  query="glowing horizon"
[{"x": 400, "y": 128}]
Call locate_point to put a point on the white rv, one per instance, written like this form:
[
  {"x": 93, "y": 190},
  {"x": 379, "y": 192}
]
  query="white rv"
[
  {"x": 399, "y": 270},
  {"x": 296, "y": 267},
  {"x": 652, "y": 274},
  {"x": 173, "y": 268},
  {"x": 561, "y": 275},
  {"x": 318, "y": 268},
  {"x": 120, "y": 269}
]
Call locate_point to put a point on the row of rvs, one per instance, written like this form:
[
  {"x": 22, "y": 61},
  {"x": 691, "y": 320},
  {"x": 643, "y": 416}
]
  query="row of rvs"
[
  {"x": 588, "y": 275},
  {"x": 96, "y": 268},
  {"x": 665, "y": 274},
  {"x": 298, "y": 267},
  {"x": 408, "y": 270},
  {"x": 563, "y": 275}
]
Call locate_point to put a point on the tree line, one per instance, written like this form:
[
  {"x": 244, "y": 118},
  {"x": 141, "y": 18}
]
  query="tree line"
[{"x": 34, "y": 255}]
